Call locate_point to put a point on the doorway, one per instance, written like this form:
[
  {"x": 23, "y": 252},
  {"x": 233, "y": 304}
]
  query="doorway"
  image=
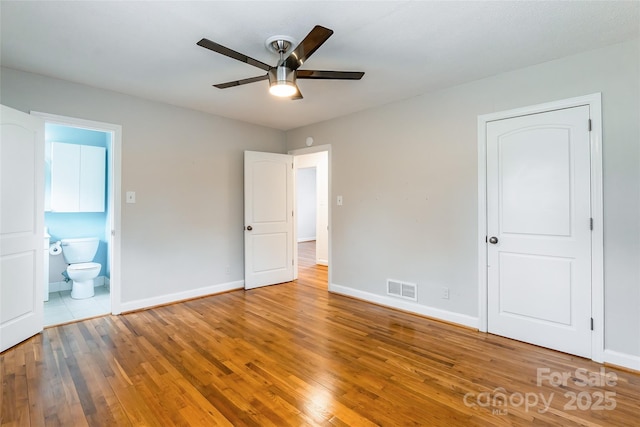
[
  {"x": 312, "y": 211},
  {"x": 271, "y": 250},
  {"x": 540, "y": 223},
  {"x": 101, "y": 222}
]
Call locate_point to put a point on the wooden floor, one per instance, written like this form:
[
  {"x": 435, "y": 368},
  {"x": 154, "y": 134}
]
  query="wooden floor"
[{"x": 293, "y": 354}]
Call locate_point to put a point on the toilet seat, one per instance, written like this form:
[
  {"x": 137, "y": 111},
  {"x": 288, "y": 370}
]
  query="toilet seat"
[{"x": 84, "y": 266}]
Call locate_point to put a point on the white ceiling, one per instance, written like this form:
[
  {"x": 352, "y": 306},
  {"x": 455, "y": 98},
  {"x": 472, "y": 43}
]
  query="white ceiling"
[{"x": 406, "y": 48}]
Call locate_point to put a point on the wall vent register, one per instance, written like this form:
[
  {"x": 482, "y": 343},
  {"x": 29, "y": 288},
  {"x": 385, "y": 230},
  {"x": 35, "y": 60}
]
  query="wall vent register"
[{"x": 402, "y": 289}]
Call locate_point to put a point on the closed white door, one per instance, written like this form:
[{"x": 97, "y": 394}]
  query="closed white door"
[
  {"x": 21, "y": 226},
  {"x": 268, "y": 207},
  {"x": 539, "y": 234}
]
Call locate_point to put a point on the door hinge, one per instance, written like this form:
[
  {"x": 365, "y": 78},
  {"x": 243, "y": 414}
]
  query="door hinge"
[
  {"x": 291, "y": 213},
  {"x": 589, "y": 125},
  {"x": 591, "y": 223},
  {"x": 592, "y": 323},
  {"x": 291, "y": 262}
]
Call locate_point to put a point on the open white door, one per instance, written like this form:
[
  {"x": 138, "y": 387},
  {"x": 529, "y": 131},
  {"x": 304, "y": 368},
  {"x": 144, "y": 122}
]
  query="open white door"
[
  {"x": 21, "y": 226},
  {"x": 539, "y": 236},
  {"x": 268, "y": 213}
]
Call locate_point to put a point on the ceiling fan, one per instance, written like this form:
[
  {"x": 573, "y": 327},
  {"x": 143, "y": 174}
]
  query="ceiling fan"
[{"x": 282, "y": 77}]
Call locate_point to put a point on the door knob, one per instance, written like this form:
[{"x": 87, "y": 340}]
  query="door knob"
[
  {"x": 249, "y": 228},
  {"x": 493, "y": 240}
]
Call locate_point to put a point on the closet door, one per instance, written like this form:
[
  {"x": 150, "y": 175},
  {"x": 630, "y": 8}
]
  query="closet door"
[
  {"x": 92, "y": 178},
  {"x": 65, "y": 177},
  {"x": 78, "y": 176}
]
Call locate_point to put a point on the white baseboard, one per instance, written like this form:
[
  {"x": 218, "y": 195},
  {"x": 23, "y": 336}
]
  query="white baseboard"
[
  {"x": 306, "y": 239},
  {"x": 180, "y": 296},
  {"x": 436, "y": 313},
  {"x": 59, "y": 286},
  {"x": 622, "y": 359},
  {"x": 322, "y": 262},
  {"x": 66, "y": 286}
]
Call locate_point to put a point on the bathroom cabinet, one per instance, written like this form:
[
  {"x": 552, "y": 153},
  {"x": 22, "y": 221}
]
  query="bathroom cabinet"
[{"x": 78, "y": 176}]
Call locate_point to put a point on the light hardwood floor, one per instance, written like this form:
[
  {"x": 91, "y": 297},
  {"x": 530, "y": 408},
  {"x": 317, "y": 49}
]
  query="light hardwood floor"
[{"x": 293, "y": 354}]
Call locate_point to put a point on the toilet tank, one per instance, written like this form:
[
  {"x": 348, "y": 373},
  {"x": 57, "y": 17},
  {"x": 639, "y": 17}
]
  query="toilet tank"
[{"x": 79, "y": 250}]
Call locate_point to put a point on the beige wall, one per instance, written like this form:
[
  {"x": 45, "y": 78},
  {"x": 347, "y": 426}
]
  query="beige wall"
[
  {"x": 408, "y": 175},
  {"x": 185, "y": 230}
]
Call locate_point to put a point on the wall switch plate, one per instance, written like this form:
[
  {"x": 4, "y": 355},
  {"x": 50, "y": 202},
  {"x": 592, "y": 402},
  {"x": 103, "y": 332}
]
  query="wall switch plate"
[
  {"x": 339, "y": 200},
  {"x": 131, "y": 197}
]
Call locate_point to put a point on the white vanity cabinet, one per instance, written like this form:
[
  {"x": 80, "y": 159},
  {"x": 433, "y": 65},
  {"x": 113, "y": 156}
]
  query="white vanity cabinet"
[{"x": 77, "y": 178}]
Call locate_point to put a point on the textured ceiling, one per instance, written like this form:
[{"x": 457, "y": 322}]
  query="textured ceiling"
[{"x": 406, "y": 48}]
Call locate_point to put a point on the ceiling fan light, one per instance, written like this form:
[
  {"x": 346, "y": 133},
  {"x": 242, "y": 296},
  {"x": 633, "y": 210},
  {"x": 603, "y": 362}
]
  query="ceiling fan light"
[
  {"x": 282, "y": 89},
  {"x": 282, "y": 82}
]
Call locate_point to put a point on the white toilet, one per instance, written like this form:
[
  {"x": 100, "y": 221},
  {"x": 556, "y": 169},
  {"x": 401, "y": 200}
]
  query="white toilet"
[{"x": 79, "y": 255}]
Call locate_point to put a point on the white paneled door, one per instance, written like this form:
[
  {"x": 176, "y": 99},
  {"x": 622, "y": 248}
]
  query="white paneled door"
[
  {"x": 268, "y": 207},
  {"x": 539, "y": 235},
  {"x": 21, "y": 226}
]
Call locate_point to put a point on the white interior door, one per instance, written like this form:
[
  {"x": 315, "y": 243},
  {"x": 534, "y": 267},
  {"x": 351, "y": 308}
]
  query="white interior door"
[
  {"x": 538, "y": 222},
  {"x": 268, "y": 213},
  {"x": 21, "y": 226}
]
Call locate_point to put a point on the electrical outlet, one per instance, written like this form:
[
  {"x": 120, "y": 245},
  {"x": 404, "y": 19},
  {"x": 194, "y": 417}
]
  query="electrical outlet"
[{"x": 445, "y": 293}]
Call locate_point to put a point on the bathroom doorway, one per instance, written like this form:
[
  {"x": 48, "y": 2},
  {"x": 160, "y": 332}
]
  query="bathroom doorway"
[{"x": 95, "y": 213}]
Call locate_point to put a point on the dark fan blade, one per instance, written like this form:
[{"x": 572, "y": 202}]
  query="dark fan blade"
[
  {"x": 310, "y": 44},
  {"x": 329, "y": 75},
  {"x": 298, "y": 94},
  {"x": 208, "y": 44},
  {"x": 241, "y": 82}
]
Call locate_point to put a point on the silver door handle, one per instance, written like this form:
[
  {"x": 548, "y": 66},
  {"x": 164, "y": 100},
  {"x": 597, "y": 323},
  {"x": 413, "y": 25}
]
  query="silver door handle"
[{"x": 493, "y": 240}]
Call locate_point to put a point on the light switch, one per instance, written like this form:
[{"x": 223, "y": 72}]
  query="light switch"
[
  {"x": 339, "y": 200},
  {"x": 131, "y": 196}
]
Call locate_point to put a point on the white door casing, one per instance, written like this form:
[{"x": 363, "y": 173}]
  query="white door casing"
[
  {"x": 320, "y": 161},
  {"x": 21, "y": 226},
  {"x": 114, "y": 208},
  {"x": 269, "y": 222},
  {"x": 323, "y": 249},
  {"x": 322, "y": 223}
]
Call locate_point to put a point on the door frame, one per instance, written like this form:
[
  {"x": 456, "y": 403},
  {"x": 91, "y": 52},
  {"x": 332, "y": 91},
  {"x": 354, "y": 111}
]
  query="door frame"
[
  {"x": 300, "y": 152},
  {"x": 114, "y": 200},
  {"x": 594, "y": 101}
]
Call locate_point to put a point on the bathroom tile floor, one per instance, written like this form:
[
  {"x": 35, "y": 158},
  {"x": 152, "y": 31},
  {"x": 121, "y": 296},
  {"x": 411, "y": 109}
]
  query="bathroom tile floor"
[{"x": 61, "y": 308}]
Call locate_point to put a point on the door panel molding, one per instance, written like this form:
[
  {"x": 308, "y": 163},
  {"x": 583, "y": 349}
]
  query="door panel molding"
[{"x": 594, "y": 101}]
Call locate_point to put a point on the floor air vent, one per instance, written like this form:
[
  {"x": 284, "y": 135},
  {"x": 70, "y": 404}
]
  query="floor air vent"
[{"x": 402, "y": 289}]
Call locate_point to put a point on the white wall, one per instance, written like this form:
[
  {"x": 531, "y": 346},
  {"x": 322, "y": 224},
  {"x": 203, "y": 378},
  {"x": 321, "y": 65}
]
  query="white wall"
[
  {"x": 408, "y": 175},
  {"x": 306, "y": 203},
  {"x": 184, "y": 234}
]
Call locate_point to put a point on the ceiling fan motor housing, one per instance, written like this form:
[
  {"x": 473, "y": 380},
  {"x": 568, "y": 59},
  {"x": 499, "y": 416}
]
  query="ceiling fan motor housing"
[{"x": 282, "y": 75}]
